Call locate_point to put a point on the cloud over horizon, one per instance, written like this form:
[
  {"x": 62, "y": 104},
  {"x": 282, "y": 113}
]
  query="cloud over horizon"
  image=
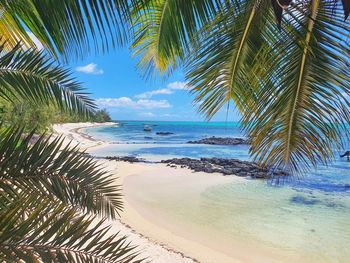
[
  {"x": 90, "y": 69},
  {"x": 170, "y": 89},
  {"x": 126, "y": 102}
]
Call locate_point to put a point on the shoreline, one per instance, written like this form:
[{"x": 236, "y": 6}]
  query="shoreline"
[{"x": 156, "y": 251}]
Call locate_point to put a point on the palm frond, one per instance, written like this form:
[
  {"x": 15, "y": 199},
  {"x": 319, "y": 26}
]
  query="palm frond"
[
  {"x": 30, "y": 75},
  {"x": 165, "y": 28},
  {"x": 47, "y": 231},
  {"x": 48, "y": 169},
  {"x": 219, "y": 69},
  {"x": 302, "y": 105},
  {"x": 66, "y": 27}
]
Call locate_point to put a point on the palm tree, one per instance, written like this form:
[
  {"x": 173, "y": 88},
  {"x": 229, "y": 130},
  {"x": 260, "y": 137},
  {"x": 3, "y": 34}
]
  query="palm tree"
[
  {"x": 55, "y": 201},
  {"x": 284, "y": 65}
]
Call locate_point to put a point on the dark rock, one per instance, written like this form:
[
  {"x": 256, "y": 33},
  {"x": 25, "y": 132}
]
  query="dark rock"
[
  {"x": 164, "y": 133},
  {"x": 129, "y": 159},
  {"x": 221, "y": 141},
  {"x": 225, "y": 166},
  {"x": 298, "y": 199}
]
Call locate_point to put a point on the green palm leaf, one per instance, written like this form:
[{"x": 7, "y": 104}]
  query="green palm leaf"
[
  {"x": 219, "y": 69},
  {"x": 47, "y": 169},
  {"x": 36, "y": 229},
  {"x": 30, "y": 75},
  {"x": 66, "y": 27},
  {"x": 299, "y": 117},
  {"x": 164, "y": 29}
]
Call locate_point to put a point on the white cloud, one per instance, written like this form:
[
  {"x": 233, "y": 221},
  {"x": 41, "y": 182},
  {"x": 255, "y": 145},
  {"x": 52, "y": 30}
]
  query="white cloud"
[
  {"x": 177, "y": 85},
  {"x": 147, "y": 114},
  {"x": 90, "y": 69},
  {"x": 150, "y": 94},
  {"x": 170, "y": 89},
  {"x": 126, "y": 102},
  {"x": 35, "y": 40}
]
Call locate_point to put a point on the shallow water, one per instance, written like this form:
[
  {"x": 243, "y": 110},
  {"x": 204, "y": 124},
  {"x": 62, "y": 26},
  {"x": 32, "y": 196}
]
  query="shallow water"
[
  {"x": 306, "y": 219},
  {"x": 285, "y": 222}
]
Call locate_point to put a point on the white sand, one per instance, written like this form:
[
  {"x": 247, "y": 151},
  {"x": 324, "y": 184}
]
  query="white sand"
[{"x": 158, "y": 253}]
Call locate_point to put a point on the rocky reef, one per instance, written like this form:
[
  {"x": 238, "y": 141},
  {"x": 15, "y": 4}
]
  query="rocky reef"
[
  {"x": 221, "y": 141},
  {"x": 129, "y": 159},
  {"x": 164, "y": 133},
  {"x": 212, "y": 165},
  {"x": 224, "y": 166}
]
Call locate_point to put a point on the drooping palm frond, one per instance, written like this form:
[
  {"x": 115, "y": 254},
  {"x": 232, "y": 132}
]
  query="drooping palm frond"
[
  {"x": 280, "y": 6},
  {"x": 299, "y": 117},
  {"x": 290, "y": 84},
  {"x": 70, "y": 28},
  {"x": 32, "y": 76},
  {"x": 164, "y": 29},
  {"x": 218, "y": 72},
  {"x": 37, "y": 230},
  {"x": 53, "y": 172}
]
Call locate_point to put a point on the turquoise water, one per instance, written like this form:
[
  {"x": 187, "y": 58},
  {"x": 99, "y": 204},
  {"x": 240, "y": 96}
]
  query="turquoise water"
[
  {"x": 309, "y": 217},
  {"x": 155, "y": 147}
]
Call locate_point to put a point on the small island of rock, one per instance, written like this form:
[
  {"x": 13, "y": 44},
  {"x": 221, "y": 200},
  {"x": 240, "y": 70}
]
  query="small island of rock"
[
  {"x": 225, "y": 166},
  {"x": 221, "y": 141}
]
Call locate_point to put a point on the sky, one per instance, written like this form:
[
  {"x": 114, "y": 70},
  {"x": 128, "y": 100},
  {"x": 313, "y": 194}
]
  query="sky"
[{"x": 118, "y": 86}]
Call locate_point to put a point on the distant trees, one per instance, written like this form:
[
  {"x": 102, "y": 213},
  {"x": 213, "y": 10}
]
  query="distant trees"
[
  {"x": 42, "y": 117},
  {"x": 101, "y": 116}
]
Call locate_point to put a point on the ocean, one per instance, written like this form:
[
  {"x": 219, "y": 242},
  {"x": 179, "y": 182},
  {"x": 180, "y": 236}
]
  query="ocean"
[{"x": 307, "y": 217}]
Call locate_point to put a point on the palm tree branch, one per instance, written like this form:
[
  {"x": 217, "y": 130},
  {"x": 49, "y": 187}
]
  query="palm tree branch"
[
  {"x": 310, "y": 25},
  {"x": 20, "y": 71},
  {"x": 52, "y": 232},
  {"x": 58, "y": 172},
  {"x": 65, "y": 28}
]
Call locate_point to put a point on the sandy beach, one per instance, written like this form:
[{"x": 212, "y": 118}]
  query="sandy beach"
[
  {"x": 155, "y": 251},
  {"x": 154, "y": 241}
]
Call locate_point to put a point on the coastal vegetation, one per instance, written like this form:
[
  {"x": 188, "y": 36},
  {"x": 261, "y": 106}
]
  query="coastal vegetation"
[
  {"x": 42, "y": 117},
  {"x": 101, "y": 116}
]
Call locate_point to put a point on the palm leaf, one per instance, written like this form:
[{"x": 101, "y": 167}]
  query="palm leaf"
[
  {"x": 30, "y": 75},
  {"x": 66, "y": 27},
  {"x": 51, "y": 232},
  {"x": 219, "y": 69},
  {"x": 165, "y": 28},
  {"x": 47, "y": 169},
  {"x": 299, "y": 117}
]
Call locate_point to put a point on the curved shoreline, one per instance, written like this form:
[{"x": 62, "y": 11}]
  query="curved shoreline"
[
  {"x": 157, "y": 251},
  {"x": 155, "y": 241}
]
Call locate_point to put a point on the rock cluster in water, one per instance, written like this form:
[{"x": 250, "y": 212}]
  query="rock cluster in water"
[
  {"x": 164, "y": 133},
  {"x": 224, "y": 166},
  {"x": 212, "y": 165},
  {"x": 220, "y": 141},
  {"x": 129, "y": 159}
]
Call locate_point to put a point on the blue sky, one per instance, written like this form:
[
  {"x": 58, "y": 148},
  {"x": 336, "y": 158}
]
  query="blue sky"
[{"x": 117, "y": 85}]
